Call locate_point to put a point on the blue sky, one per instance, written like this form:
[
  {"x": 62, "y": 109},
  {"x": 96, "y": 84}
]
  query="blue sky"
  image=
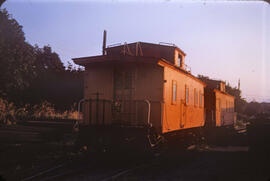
[{"x": 224, "y": 40}]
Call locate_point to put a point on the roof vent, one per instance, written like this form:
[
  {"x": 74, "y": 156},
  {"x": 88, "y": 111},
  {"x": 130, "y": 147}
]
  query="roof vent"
[{"x": 168, "y": 44}]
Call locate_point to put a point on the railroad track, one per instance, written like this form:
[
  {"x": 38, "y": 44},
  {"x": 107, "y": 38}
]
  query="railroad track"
[
  {"x": 126, "y": 171},
  {"x": 50, "y": 173},
  {"x": 95, "y": 169},
  {"x": 84, "y": 170},
  {"x": 71, "y": 170}
]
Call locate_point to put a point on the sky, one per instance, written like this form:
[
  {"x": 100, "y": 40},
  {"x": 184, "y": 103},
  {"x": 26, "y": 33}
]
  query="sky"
[{"x": 222, "y": 39}]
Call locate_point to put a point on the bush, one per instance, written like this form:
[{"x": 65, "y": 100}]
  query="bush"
[
  {"x": 10, "y": 114},
  {"x": 7, "y": 112}
]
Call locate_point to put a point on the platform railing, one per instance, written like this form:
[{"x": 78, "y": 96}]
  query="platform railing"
[{"x": 121, "y": 112}]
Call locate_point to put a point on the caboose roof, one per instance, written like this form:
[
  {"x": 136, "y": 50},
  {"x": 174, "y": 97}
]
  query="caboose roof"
[
  {"x": 84, "y": 61},
  {"x": 224, "y": 93},
  {"x": 160, "y": 45},
  {"x": 101, "y": 59}
]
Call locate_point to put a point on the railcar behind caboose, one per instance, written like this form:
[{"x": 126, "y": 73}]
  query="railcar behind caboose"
[
  {"x": 140, "y": 86},
  {"x": 219, "y": 105}
]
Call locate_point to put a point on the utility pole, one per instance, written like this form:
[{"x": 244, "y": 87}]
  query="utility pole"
[{"x": 104, "y": 42}]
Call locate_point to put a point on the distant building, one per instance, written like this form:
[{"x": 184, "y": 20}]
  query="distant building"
[
  {"x": 219, "y": 105},
  {"x": 139, "y": 77}
]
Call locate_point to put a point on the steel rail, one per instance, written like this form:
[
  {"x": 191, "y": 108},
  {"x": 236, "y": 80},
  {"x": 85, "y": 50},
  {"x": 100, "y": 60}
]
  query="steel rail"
[
  {"x": 45, "y": 171},
  {"x": 125, "y": 171}
]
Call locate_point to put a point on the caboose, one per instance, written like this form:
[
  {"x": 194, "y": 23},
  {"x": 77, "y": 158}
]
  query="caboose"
[
  {"x": 219, "y": 104},
  {"x": 140, "y": 86}
]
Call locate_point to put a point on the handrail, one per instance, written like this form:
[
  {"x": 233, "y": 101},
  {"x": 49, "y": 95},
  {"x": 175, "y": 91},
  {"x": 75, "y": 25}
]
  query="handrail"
[
  {"x": 168, "y": 44},
  {"x": 79, "y": 107},
  {"x": 149, "y": 112},
  {"x": 114, "y": 45},
  {"x": 76, "y": 124},
  {"x": 148, "y": 103},
  {"x": 187, "y": 68}
]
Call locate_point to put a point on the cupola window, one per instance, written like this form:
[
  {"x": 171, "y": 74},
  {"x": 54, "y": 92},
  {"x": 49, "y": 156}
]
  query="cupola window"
[{"x": 179, "y": 60}]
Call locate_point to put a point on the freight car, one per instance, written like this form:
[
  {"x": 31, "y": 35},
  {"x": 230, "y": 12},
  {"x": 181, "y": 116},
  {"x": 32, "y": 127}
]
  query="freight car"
[
  {"x": 139, "y": 90},
  {"x": 219, "y": 110},
  {"x": 219, "y": 105}
]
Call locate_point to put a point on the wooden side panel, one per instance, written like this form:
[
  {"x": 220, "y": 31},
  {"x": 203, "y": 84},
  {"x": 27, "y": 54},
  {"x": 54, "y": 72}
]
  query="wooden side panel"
[
  {"x": 98, "y": 79},
  {"x": 224, "y": 109},
  {"x": 182, "y": 114},
  {"x": 149, "y": 85}
]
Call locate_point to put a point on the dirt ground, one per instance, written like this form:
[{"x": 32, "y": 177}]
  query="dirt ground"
[
  {"x": 28, "y": 149},
  {"x": 205, "y": 165}
]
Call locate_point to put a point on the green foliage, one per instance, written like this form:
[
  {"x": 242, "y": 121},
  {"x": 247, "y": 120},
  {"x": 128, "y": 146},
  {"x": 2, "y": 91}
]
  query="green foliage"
[
  {"x": 240, "y": 103},
  {"x": 7, "y": 112},
  {"x": 16, "y": 56},
  {"x": 1, "y": 2},
  {"x": 10, "y": 114},
  {"x": 46, "y": 110},
  {"x": 258, "y": 109},
  {"x": 33, "y": 75},
  {"x": 253, "y": 108},
  {"x": 47, "y": 61}
]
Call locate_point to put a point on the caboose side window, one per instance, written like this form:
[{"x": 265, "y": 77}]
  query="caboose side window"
[
  {"x": 187, "y": 95},
  {"x": 195, "y": 97},
  {"x": 174, "y": 91},
  {"x": 200, "y": 99}
]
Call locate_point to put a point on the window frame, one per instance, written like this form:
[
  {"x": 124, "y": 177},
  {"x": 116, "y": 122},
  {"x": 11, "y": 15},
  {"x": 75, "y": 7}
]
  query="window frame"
[
  {"x": 195, "y": 97},
  {"x": 174, "y": 92},
  {"x": 186, "y": 95},
  {"x": 200, "y": 98},
  {"x": 179, "y": 60}
]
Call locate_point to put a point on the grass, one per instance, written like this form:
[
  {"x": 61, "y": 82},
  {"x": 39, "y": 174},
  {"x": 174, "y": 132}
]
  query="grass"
[{"x": 11, "y": 114}]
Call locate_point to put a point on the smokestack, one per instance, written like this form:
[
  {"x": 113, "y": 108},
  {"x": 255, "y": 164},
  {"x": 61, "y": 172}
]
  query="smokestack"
[{"x": 104, "y": 42}]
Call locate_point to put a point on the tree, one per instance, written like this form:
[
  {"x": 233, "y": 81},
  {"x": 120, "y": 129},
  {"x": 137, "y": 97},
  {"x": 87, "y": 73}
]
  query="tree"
[
  {"x": 48, "y": 61},
  {"x": 2, "y": 2},
  {"x": 253, "y": 108},
  {"x": 29, "y": 74},
  {"x": 17, "y": 57},
  {"x": 240, "y": 103}
]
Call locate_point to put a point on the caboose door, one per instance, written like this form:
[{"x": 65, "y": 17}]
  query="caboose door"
[
  {"x": 123, "y": 94},
  {"x": 182, "y": 114},
  {"x": 122, "y": 84}
]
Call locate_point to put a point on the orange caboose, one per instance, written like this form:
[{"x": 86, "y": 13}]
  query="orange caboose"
[
  {"x": 219, "y": 105},
  {"x": 142, "y": 84}
]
